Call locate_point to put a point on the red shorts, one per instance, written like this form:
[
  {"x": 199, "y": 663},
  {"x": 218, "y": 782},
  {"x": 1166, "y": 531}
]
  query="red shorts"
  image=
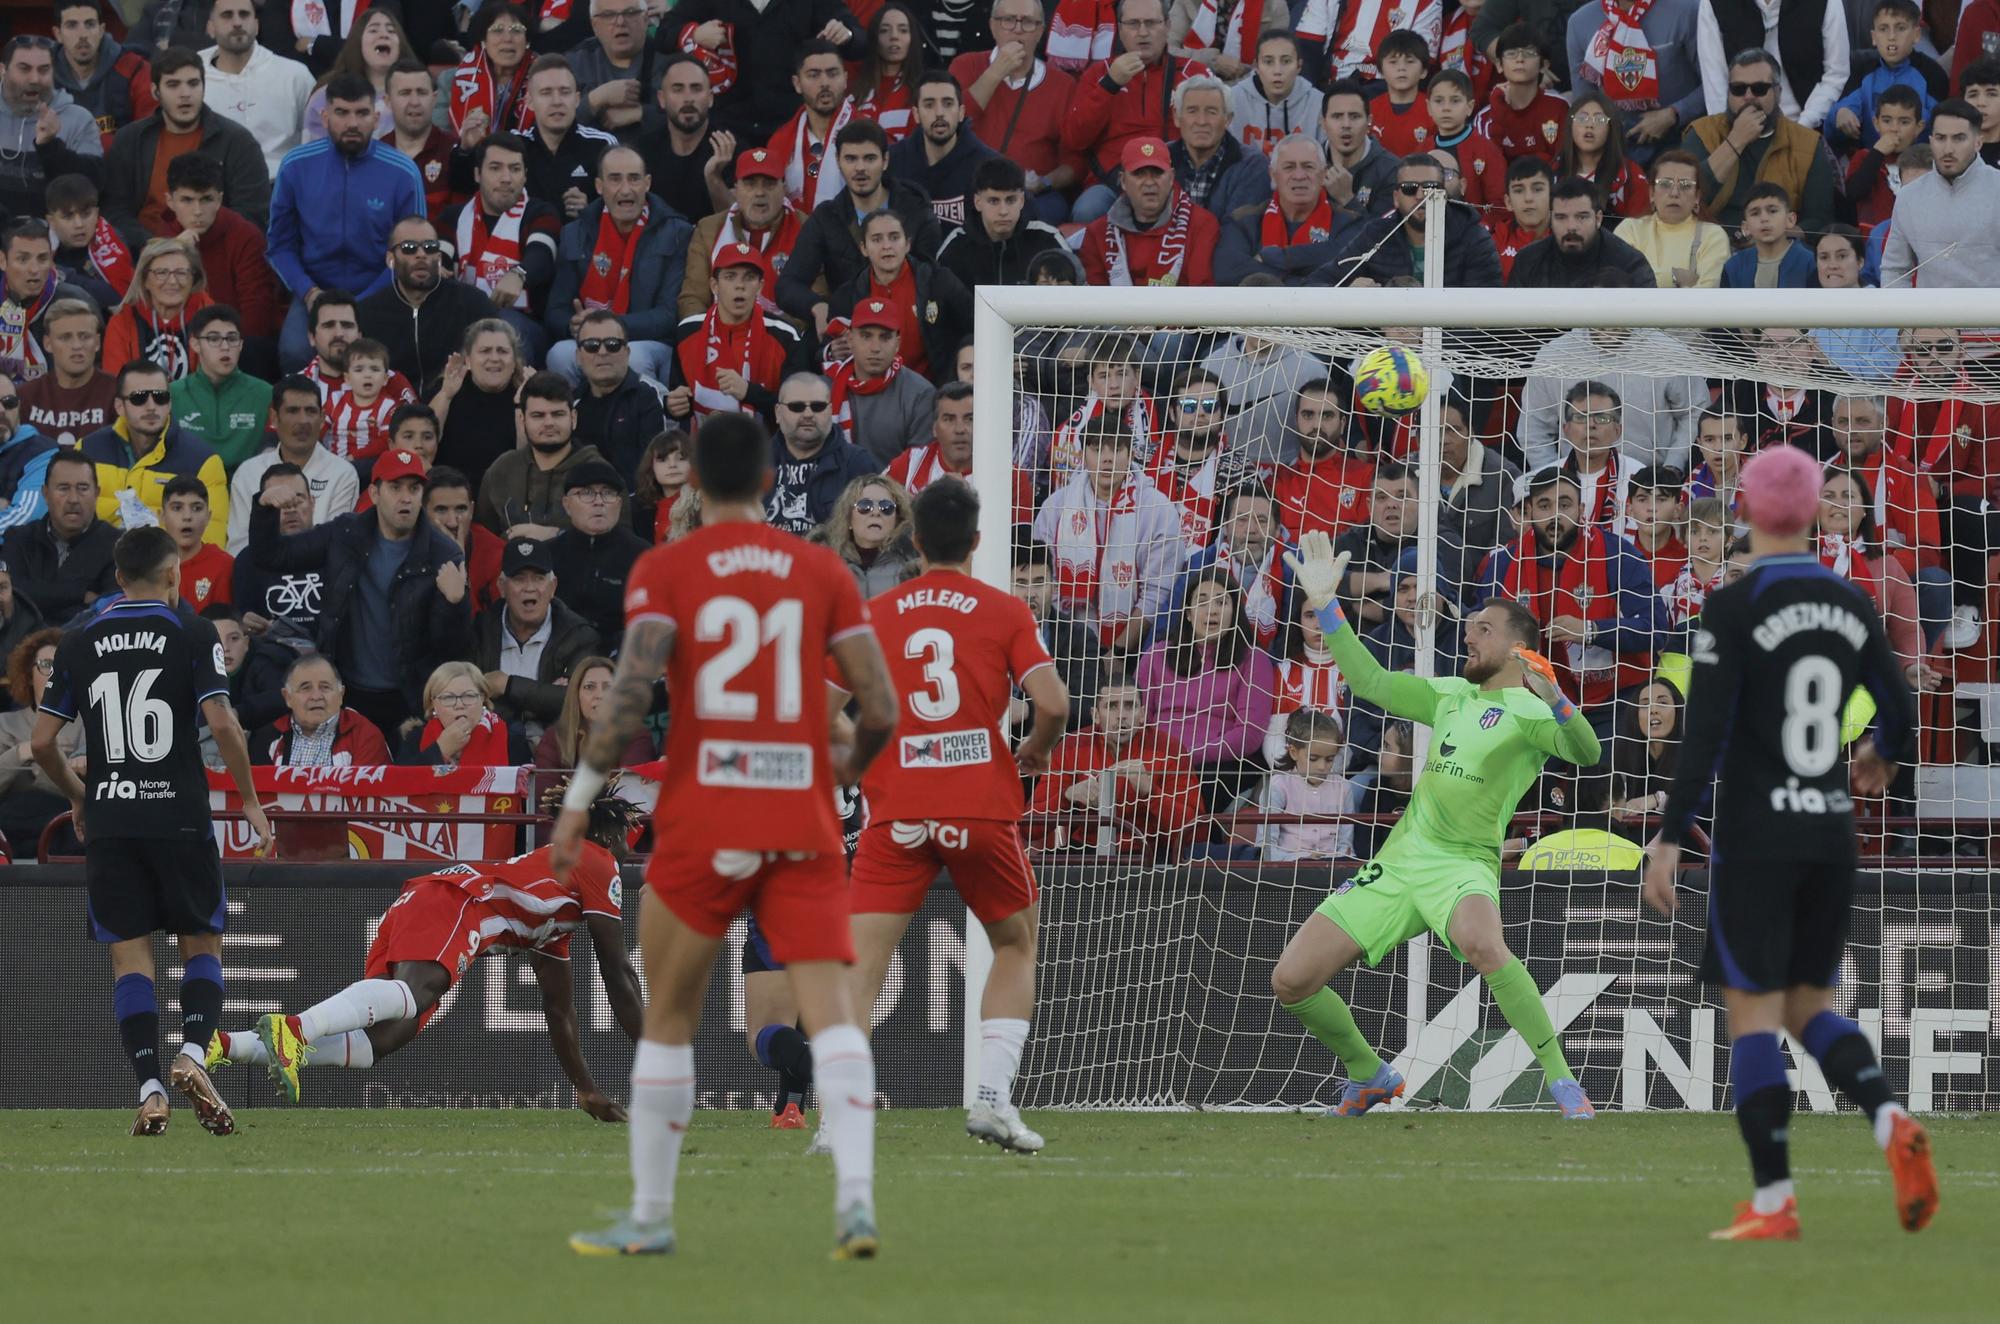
[
  {"x": 896, "y": 864},
  {"x": 800, "y": 901},
  {"x": 429, "y": 922}
]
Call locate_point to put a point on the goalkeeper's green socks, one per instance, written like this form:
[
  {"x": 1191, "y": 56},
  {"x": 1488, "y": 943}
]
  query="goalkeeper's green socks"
[
  {"x": 1327, "y": 1018},
  {"x": 1521, "y": 1003}
]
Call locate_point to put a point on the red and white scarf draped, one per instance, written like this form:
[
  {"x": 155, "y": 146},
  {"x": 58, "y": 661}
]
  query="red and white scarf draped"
[
  {"x": 1236, "y": 37},
  {"x": 1851, "y": 559},
  {"x": 1277, "y": 233},
  {"x": 722, "y": 346},
  {"x": 1311, "y": 682},
  {"x": 1263, "y": 590},
  {"x": 1620, "y": 60},
  {"x": 846, "y": 386},
  {"x": 110, "y": 258},
  {"x": 1604, "y": 495},
  {"x": 774, "y": 243},
  {"x": 918, "y": 468},
  {"x": 475, "y": 87},
  {"x": 607, "y": 279},
  {"x": 1066, "y": 450},
  {"x": 1191, "y": 488},
  {"x": 1929, "y": 443},
  {"x": 892, "y": 106},
  {"x": 811, "y": 179},
  {"x": 310, "y": 19},
  {"x": 1168, "y": 259},
  {"x": 486, "y": 747},
  {"x": 485, "y": 254},
  {"x": 1579, "y": 585},
  {"x": 720, "y": 62},
  {"x": 1082, "y": 540},
  {"x": 1456, "y": 51},
  {"x": 1689, "y": 591},
  {"x": 17, "y": 337},
  {"x": 1082, "y": 32}
]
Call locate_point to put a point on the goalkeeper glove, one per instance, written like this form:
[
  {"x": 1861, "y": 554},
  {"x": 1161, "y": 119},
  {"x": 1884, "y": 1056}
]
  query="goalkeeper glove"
[
  {"x": 1318, "y": 573},
  {"x": 1540, "y": 668}
]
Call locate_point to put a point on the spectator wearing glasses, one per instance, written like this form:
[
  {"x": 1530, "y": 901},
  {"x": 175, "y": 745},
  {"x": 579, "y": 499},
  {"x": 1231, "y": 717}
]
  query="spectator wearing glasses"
[
  {"x": 615, "y": 74},
  {"x": 1391, "y": 245},
  {"x": 489, "y": 89},
  {"x": 457, "y": 727},
  {"x": 394, "y": 603},
  {"x": 28, "y": 799},
  {"x": 419, "y": 315},
  {"x": 169, "y": 286},
  {"x": 218, "y": 401},
  {"x": 33, "y": 110},
  {"x": 870, "y": 531},
  {"x": 1684, "y": 252},
  {"x": 812, "y": 460},
  {"x": 300, "y": 421},
  {"x": 1124, "y": 99},
  {"x": 1016, "y": 103},
  {"x": 1664, "y": 92},
  {"x": 231, "y": 249},
  {"x": 1809, "y": 74},
  {"x": 142, "y": 452},
  {"x": 618, "y": 407},
  {"x": 1749, "y": 139},
  {"x": 135, "y": 182},
  {"x": 527, "y": 642},
  {"x": 594, "y": 555}
]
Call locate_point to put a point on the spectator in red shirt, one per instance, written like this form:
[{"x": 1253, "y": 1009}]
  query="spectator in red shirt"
[
  {"x": 411, "y": 92},
  {"x": 1016, "y": 104},
  {"x": 1400, "y": 118},
  {"x": 1116, "y": 778},
  {"x": 206, "y": 569},
  {"x": 1124, "y": 99},
  {"x": 1595, "y": 149},
  {"x": 1482, "y": 169},
  {"x": 232, "y": 249},
  {"x": 1521, "y": 117},
  {"x": 1154, "y": 234},
  {"x": 1326, "y": 485},
  {"x": 1654, "y": 518},
  {"x": 1530, "y": 181}
]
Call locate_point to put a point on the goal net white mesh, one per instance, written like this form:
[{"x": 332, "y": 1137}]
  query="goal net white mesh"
[{"x": 1223, "y": 780}]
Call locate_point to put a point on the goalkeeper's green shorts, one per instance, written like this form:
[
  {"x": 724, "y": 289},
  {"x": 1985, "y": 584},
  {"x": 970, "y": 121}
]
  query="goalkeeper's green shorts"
[{"x": 1394, "y": 897}]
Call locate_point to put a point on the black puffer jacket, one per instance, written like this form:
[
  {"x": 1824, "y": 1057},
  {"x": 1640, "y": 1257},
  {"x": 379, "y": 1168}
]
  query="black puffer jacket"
[{"x": 975, "y": 259}]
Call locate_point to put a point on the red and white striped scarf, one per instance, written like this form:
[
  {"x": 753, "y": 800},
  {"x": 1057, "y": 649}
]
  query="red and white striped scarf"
[
  {"x": 775, "y": 243},
  {"x": 846, "y": 386},
  {"x": 1929, "y": 443},
  {"x": 1168, "y": 259},
  {"x": 1456, "y": 51},
  {"x": 1352, "y": 30},
  {"x": 919, "y": 467},
  {"x": 1066, "y": 450},
  {"x": 1263, "y": 590},
  {"x": 1191, "y": 488},
  {"x": 1311, "y": 682},
  {"x": 310, "y": 19},
  {"x": 721, "y": 346},
  {"x": 811, "y": 179},
  {"x": 475, "y": 87},
  {"x": 485, "y": 255},
  {"x": 892, "y": 106},
  {"x": 1081, "y": 33},
  {"x": 1620, "y": 60},
  {"x": 1235, "y": 38}
]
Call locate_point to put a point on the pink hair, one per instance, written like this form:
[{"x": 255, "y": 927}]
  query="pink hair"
[{"x": 1780, "y": 491}]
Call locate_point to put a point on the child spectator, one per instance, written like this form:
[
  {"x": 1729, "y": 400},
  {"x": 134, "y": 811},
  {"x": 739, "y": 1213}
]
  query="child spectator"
[
  {"x": 90, "y": 253},
  {"x": 1399, "y": 118},
  {"x": 1521, "y": 117},
  {"x": 1653, "y": 520},
  {"x": 1685, "y": 252},
  {"x": 1482, "y": 170},
  {"x": 1112, "y": 376},
  {"x": 1875, "y": 172},
  {"x": 1595, "y": 149},
  {"x": 1708, "y": 549},
  {"x": 663, "y": 472},
  {"x": 206, "y": 569},
  {"x": 1774, "y": 260},
  {"x": 219, "y": 402},
  {"x": 357, "y": 417},
  {"x": 1893, "y": 30},
  {"x": 1530, "y": 182},
  {"x": 1982, "y": 88},
  {"x": 1458, "y": 53},
  {"x": 1307, "y": 679},
  {"x": 1303, "y": 781},
  {"x": 1343, "y": 38}
]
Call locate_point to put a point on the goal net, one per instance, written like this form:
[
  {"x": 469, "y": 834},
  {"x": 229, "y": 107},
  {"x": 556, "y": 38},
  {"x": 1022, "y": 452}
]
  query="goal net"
[{"x": 1145, "y": 456}]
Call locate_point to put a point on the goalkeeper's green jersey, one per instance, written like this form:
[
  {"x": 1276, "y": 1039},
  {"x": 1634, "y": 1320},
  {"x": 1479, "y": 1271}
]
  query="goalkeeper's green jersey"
[{"x": 1487, "y": 748}]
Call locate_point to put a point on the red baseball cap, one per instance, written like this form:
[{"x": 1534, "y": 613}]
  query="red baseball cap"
[
  {"x": 759, "y": 161},
  {"x": 1146, "y": 154},
  {"x": 740, "y": 255},
  {"x": 875, "y": 312},
  {"x": 397, "y": 464}
]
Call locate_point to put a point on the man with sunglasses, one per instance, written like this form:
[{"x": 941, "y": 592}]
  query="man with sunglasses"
[
  {"x": 1392, "y": 245},
  {"x": 618, "y": 410},
  {"x": 1751, "y": 140},
  {"x": 813, "y": 462},
  {"x": 218, "y": 401},
  {"x": 143, "y": 451},
  {"x": 419, "y": 315}
]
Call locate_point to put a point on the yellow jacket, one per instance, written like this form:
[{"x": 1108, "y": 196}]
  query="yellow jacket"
[
  {"x": 1669, "y": 247},
  {"x": 177, "y": 453}
]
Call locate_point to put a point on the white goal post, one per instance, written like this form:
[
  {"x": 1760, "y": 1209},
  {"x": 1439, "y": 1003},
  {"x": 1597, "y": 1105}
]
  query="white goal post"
[{"x": 1482, "y": 332}]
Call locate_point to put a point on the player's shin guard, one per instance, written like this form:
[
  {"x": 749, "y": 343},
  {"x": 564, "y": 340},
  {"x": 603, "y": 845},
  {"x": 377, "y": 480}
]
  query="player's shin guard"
[
  {"x": 1514, "y": 992},
  {"x": 1001, "y": 1039},
  {"x": 1764, "y": 1115},
  {"x": 1848, "y": 1060},
  {"x": 662, "y": 1106},
  {"x": 139, "y": 1029},
  {"x": 784, "y": 1050},
  {"x": 358, "y": 1006},
  {"x": 201, "y": 1004},
  {"x": 1328, "y": 1019},
  {"x": 846, "y": 1074}
]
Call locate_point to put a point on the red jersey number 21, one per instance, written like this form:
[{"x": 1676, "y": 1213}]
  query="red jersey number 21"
[{"x": 737, "y": 625}]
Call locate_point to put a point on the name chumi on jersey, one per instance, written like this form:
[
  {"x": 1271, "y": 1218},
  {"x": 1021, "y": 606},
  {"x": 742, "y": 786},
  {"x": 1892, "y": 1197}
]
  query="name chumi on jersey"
[
  {"x": 1788, "y": 621},
  {"x": 737, "y": 560},
  {"x": 141, "y": 640}
]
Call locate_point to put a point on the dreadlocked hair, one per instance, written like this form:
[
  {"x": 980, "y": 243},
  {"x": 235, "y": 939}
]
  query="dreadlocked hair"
[{"x": 613, "y": 819}]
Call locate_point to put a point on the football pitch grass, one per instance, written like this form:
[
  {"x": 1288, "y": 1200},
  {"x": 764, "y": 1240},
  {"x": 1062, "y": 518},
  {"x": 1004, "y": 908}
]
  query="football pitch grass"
[{"x": 341, "y": 1215}]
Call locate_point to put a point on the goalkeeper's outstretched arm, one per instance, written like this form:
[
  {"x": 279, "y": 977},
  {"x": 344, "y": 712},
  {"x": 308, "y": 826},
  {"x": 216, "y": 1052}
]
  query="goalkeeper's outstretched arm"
[{"x": 1318, "y": 573}]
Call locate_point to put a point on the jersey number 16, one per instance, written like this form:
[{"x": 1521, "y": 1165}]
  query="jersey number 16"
[{"x": 135, "y": 722}]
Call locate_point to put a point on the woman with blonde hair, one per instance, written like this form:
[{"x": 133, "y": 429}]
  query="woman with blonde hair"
[
  {"x": 870, "y": 530},
  {"x": 583, "y": 698},
  {"x": 169, "y": 286},
  {"x": 460, "y": 729}
]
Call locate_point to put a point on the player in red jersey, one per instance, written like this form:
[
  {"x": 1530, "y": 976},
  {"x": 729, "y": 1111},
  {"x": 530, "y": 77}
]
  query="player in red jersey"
[
  {"x": 432, "y": 934},
  {"x": 957, "y": 648},
  {"x": 740, "y": 615}
]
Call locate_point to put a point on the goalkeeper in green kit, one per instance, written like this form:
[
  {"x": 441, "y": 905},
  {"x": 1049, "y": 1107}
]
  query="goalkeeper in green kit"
[{"x": 1440, "y": 868}]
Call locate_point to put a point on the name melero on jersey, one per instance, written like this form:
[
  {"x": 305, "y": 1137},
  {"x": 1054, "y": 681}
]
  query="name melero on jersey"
[{"x": 943, "y": 599}]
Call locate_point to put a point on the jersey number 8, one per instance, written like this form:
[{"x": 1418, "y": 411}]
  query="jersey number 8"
[
  {"x": 1813, "y": 703},
  {"x": 138, "y": 722}
]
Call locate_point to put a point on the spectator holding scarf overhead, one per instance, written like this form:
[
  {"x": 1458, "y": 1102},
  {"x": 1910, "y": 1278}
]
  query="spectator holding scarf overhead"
[
  {"x": 1639, "y": 55},
  {"x": 734, "y": 356},
  {"x": 1154, "y": 234},
  {"x": 489, "y": 89}
]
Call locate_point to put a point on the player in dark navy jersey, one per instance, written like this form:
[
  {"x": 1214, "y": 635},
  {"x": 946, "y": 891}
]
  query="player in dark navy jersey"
[
  {"x": 142, "y": 678},
  {"x": 1776, "y": 655}
]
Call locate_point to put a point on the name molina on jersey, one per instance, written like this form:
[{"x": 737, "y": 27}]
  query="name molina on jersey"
[{"x": 145, "y": 640}]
